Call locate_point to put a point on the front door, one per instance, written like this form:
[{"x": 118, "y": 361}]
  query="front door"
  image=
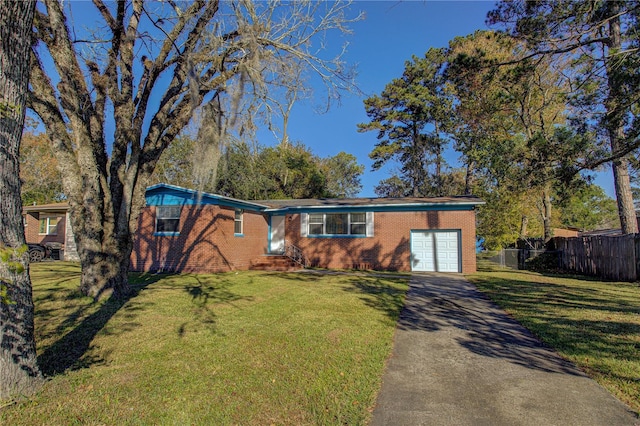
[{"x": 276, "y": 242}]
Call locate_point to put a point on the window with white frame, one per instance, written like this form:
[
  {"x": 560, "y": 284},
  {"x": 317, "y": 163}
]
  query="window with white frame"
[
  {"x": 237, "y": 226},
  {"x": 168, "y": 219},
  {"x": 48, "y": 225},
  {"x": 358, "y": 223},
  {"x": 316, "y": 223},
  {"x": 338, "y": 223}
]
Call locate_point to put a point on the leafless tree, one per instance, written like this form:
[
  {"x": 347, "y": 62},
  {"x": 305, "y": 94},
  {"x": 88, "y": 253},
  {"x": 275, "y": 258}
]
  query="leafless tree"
[{"x": 150, "y": 66}]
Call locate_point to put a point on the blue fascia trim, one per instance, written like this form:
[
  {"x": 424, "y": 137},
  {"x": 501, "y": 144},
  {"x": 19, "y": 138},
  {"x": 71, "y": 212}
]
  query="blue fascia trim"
[
  {"x": 335, "y": 236},
  {"x": 163, "y": 194},
  {"x": 375, "y": 208},
  {"x": 168, "y": 195},
  {"x": 166, "y": 234}
]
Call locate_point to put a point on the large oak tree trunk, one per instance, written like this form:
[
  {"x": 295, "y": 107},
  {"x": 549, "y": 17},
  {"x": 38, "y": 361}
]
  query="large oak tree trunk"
[
  {"x": 105, "y": 271},
  {"x": 19, "y": 372},
  {"x": 105, "y": 244}
]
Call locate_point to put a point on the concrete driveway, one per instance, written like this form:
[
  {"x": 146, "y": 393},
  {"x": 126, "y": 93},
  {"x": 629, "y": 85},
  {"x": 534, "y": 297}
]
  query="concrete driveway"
[{"x": 460, "y": 360}]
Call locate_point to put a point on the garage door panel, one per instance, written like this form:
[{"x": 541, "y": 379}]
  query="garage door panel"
[{"x": 435, "y": 251}]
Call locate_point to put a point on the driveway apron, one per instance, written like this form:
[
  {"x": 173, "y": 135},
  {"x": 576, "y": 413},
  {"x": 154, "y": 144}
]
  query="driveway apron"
[{"x": 460, "y": 360}]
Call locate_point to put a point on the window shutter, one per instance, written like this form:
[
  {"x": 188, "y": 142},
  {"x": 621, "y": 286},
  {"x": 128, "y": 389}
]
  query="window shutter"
[
  {"x": 369, "y": 224},
  {"x": 304, "y": 224}
]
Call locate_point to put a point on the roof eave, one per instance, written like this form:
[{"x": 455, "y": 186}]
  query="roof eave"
[
  {"x": 45, "y": 208},
  {"x": 403, "y": 206},
  {"x": 230, "y": 200}
]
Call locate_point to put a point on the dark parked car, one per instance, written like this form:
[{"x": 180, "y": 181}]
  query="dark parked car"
[{"x": 37, "y": 252}]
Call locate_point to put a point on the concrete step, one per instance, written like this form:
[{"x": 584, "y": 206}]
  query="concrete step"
[{"x": 274, "y": 263}]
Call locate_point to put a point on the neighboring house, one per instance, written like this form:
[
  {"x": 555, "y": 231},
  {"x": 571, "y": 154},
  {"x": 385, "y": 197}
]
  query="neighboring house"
[
  {"x": 49, "y": 225},
  {"x": 566, "y": 232},
  {"x": 613, "y": 232},
  {"x": 181, "y": 230}
]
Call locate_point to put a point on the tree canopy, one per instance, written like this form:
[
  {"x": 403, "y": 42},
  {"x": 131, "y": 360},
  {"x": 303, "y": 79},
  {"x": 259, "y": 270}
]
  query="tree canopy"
[
  {"x": 410, "y": 117},
  {"x": 596, "y": 44},
  {"x": 256, "y": 172},
  {"x": 41, "y": 179},
  {"x": 510, "y": 114}
]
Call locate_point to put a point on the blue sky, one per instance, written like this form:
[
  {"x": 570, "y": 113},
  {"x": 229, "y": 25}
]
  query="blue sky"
[{"x": 390, "y": 34}]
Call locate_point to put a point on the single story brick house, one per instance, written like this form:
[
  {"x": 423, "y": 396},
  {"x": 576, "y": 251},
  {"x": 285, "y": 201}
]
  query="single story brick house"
[
  {"x": 182, "y": 230},
  {"x": 49, "y": 225}
]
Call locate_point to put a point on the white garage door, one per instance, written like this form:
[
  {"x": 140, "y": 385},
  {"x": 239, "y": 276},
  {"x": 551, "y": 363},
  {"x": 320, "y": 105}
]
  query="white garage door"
[{"x": 435, "y": 251}]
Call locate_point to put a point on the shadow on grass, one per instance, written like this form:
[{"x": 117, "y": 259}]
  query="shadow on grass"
[
  {"x": 575, "y": 319},
  {"x": 484, "y": 265},
  {"x": 380, "y": 293},
  {"x": 69, "y": 351},
  {"x": 379, "y": 290},
  {"x": 208, "y": 291},
  {"x": 522, "y": 289}
]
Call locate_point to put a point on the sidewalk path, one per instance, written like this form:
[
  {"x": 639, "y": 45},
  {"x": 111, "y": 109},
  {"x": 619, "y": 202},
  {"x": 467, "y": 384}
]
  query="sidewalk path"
[{"x": 460, "y": 360}]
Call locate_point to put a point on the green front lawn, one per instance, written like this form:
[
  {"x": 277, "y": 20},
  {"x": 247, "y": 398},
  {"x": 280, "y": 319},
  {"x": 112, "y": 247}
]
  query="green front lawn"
[
  {"x": 593, "y": 323},
  {"x": 236, "y": 348}
]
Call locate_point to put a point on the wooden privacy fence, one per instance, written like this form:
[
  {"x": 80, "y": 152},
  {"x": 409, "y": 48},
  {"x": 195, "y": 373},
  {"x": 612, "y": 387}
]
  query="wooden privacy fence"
[{"x": 612, "y": 258}]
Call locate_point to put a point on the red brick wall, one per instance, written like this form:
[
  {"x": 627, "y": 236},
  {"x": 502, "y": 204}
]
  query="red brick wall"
[
  {"x": 390, "y": 247},
  {"x": 32, "y": 228},
  {"x": 206, "y": 242}
]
